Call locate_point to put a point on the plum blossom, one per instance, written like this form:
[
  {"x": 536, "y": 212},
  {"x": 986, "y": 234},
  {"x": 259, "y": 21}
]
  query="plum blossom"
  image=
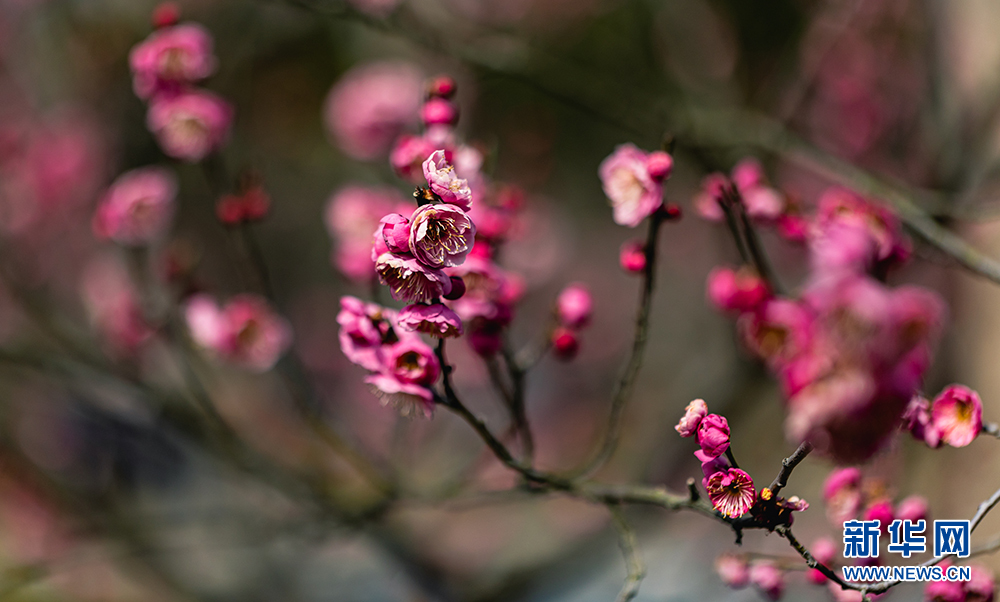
[
  {"x": 441, "y": 235},
  {"x": 138, "y": 207},
  {"x": 880, "y": 510},
  {"x": 736, "y": 290},
  {"x": 693, "y": 413},
  {"x": 114, "y": 305},
  {"x": 438, "y": 111},
  {"x": 364, "y": 328},
  {"x": 913, "y": 508},
  {"x": 762, "y": 202},
  {"x": 409, "y": 368},
  {"x": 731, "y": 492},
  {"x": 435, "y": 319},
  {"x": 409, "y": 280},
  {"x": 733, "y": 570},
  {"x": 957, "y": 413},
  {"x": 633, "y": 191},
  {"x": 171, "y": 58},
  {"x": 444, "y": 181},
  {"x": 842, "y": 494},
  {"x": 245, "y": 332},
  {"x": 191, "y": 125},
  {"x": 767, "y": 578},
  {"x": 395, "y": 233},
  {"x": 371, "y": 105},
  {"x": 980, "y": 586},
  {"x": 917, "y": 420},
  {"x": 408, "y": 156},
  {"x": 574, "y": 306},
  {"x": 713, "y": 435},
  {"x": 565, "y": 343},
  {"x": 824, "y": 551}
]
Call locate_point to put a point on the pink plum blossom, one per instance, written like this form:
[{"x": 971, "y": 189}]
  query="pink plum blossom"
[
  {"x": 170, "y": 58},
  {"x": 633, "y": 192},
  {"x": 981, "y": 585},
  {"x": 371, "y": 105},
  {"x": 767, "y": 578},
  {"x": 944, "y": 591},
  {"x": 410, "y": 360},
  {"x": 408, "y": 156},
  {"x": 731, "y": 492},
  {"x": 436, "y": 320},
  {"x": 693, "y": 413},
  {"x": 574, "y": 306},
  {"x": 411, "y": 281},
  {"x": 438, "y": 111},
  {"x": 245, "y": 332},
  {"x": 733, "y": 570},
  {"x": 440, "y": 235},
  {"x": 191, "y": 125},
  {"x": 364, "y": 328},
  {"x": 713, "y": 435},
  {"x": 880, "y": 510},
  {"x": 917, "y": 420},
  {"x": 958, "y": 413},
  {"x": 395, "y": 233},
  {"x": 914, "y": 508},
  {"x": 138, "y": 207},
  {"x": 659, "y": 165},
  {"x": 445, "y": 182},
  {"x": 632, "y": 256},
  {"x": 736, "y": 290},
  {"x": 842, "y": 494},
  {"x": 407, "y": 398},
  {"x": 779, "y": 331},
  {"x": 114, "y": 305}
]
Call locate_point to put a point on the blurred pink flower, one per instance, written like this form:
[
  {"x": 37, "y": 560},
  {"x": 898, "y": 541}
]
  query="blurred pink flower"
[
  {"x": 438, "y": 111},
  {"x": 352, "y": 215},
  {"x": 171, "y": 58},
  {"x": 114, "y": 306},
  {"x": 768, "y": 578},
  {"x": 409, "y": 280},
  {"x": 733, "y": 570},
  {"x": 944, "y": 591},
  {"x": 913, "y": 508},
  {"x": 981, "y": 585},
  {"x": 445, "y": 182},
  {"x": 440, "y": 235},
  {"x": 408, "y": 156},
  {"x": 779, "y": 331},
  {"x": 958, "y": 414},
  {"x": 574, "y": 306},
  {"x": 407, "y": 398},
  {"x": 917, "y": 420},
  {"x": 633, "y": 192},
  {"x": 713, "y": 435},
  {"x": 138, "y": 207},
  {"x": 245, "y": 332},
  {"x": 731, "y": 492},
  {"x": 371, "y": 105},
  {"x": 880, "y": 510},
  {"x": 739, "y": 290},
  {"x": 565, "y": 343},
  {"x": 693, "y": 413},
  {"x": 842, "y": 494},
  {"x": 435, "y": 319},
  {"x": 191, "y": 125}
]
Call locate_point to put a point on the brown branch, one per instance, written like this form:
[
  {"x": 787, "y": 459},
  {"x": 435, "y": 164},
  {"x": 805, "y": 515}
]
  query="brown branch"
[{"x": 788, "y": 465}]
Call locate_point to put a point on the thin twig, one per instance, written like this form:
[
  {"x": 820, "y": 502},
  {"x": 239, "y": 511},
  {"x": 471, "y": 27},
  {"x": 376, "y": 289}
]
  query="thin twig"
[
  {"x": 788, "y": 465},
  {"x": 634, "y": 565},
  {"x": 623, "y": 388}
]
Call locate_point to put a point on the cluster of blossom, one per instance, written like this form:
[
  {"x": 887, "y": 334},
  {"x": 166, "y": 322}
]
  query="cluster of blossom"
[
  {"x": 849, "y": 351},
  {"x": 730, "y": 489},
  {"x": 738, "y": 571},
  {"x": 954, "y": 418},
  {"x": 138, "y": 207},
  {"x": 189, "y": 123},
  {"x": 403, "y": 368},
  {"x": 573, "y": 308},
  {"x": 979, "y": 588}
]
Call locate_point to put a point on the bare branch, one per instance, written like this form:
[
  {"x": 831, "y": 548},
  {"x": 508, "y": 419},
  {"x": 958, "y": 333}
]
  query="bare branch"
[{"x": 633, "y": 561}]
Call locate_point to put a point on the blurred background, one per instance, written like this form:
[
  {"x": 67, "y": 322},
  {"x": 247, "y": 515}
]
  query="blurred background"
[{"x": 115, "y": 486}]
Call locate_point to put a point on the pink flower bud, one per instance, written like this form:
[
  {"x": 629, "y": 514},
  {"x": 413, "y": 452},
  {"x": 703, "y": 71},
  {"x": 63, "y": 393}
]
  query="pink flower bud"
[
  {"x": 713, "y": 435},
  {"x": 438, "y": 111},
  {"x": 574, "y": 306},
  {"x": 632, "y": 257},
  {"x": 442, "y": 86},
  {"x": 457, "y": 289},
  {"x": 396, "y": 233},
  {"x": 166, "y": 14},
  {"x": 659, "y": 165},
  {"x": 693, "y": 413},
  {"x": 958, "y": 414},
  {"x": 565, "y": 345}
]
